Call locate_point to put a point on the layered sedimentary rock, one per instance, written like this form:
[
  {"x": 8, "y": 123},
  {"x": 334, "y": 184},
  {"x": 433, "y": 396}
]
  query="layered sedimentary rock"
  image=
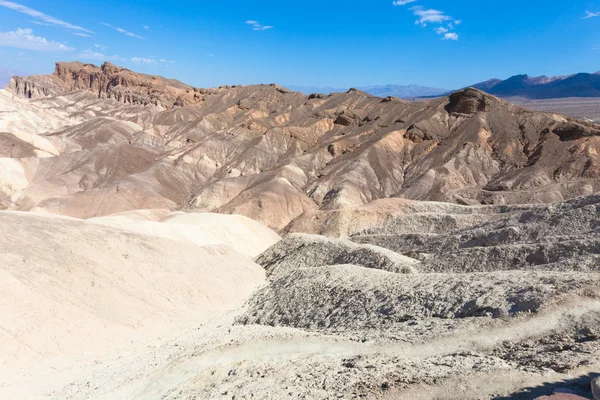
[{"x": 274, "y": 155}]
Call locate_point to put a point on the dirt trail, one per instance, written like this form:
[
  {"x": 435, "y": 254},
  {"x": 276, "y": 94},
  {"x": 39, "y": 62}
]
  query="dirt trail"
[{"x": 207, "y": 356}]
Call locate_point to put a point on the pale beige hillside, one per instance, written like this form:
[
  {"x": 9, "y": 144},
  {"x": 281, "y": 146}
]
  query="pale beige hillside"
[
  {"x": 243, "y": 234},
  {"x": 74, "y": 292}
]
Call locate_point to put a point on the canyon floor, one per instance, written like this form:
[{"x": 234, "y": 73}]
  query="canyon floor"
[{"x": 167, "y": 242}]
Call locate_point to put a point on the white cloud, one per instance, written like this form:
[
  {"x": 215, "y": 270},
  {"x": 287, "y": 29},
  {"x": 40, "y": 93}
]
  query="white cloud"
[
  {"x": 81, "y": 34},
  {"x": 146, "y": 27},
  {"x": 441, "y": 30},
  {"x": 92, "y": 55},
  {"x": 99, "y": 46},
  {"x": 450, "y": 36},
  {"x": 402, "y": 2},
  {"x": 25, "y": 39},
  {"x": 143, "y": 60},
  {"x": 429, "y": 16},
  {"x": 591, "y": 14},
  {"x": 152, "y": 61},
  {"x": 258, "y": 27},
  {"x": 121, "y": 30},
  {"x": 41, "y": 16}
]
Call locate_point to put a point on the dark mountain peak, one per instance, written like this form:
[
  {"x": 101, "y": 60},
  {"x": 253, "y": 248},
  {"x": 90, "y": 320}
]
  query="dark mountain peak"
[{"x": 487, "y": 85}]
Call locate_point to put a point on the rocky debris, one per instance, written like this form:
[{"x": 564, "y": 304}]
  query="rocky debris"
[
  {"x": 347, "y": 297},
  {"x": 523, "y": 278},
  {"x": 312, "y": 251},
  {"x": 562, "y": 237}
]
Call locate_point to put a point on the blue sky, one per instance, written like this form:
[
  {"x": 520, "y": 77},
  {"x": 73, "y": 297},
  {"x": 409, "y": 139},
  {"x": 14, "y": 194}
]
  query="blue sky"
[{"x": 309, "y": 43}]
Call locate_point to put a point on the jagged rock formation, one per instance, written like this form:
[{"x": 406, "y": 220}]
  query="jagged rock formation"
[{"x": 109, "y": 81}]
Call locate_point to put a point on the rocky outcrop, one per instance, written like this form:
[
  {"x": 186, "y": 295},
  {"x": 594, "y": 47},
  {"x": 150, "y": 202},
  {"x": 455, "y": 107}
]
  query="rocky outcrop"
[
  {"x": 109, "y": 81},
  {"x": 468, "y": 101}
]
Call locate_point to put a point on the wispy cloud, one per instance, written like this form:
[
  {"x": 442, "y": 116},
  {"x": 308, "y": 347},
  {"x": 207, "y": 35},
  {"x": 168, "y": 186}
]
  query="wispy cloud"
[
  {"x": 40, "y": 23},
  {"x": 93, "y": 55},
  {"x": 450, "y": 36},
  {"x": 81, "y": 34},
  {"x": 146, "y": 27},
  {"x": 402, "y": 2},
  {"x": 441, "y": 30},
  {"x": 25, "y": 39},
  {"x": 259, "y": 27},
  {"x": 121, "y": 30},
  {"x": 144, "y": 60},
  {"x": 41, "y": 16},
  {"x": 162, "y": 60},
  {"x": 591, "y": 14},
  {"x": 101, "y": 47}
]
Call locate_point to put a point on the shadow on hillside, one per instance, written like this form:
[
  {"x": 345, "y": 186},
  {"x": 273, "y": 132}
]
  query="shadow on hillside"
[{"x": 579, "y": 386}]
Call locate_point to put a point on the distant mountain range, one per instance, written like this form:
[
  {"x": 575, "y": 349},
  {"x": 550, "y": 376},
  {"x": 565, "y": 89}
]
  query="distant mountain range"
[
  {"x": 524, "y": 86},
  {"x": 543, "y": 87},
  {"x": 409, "y": 91}
]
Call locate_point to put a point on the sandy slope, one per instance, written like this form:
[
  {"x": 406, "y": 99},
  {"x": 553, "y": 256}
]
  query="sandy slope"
[
  {"x": 246, "y": 236},
  {"x": 74, "y": 292}
]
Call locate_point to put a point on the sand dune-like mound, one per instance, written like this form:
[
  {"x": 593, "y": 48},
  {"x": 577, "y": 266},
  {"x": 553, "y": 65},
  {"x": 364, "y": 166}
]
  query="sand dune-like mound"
[
  {"x": 243, "y": 234},
  {"x": 75, "y": 291}
]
